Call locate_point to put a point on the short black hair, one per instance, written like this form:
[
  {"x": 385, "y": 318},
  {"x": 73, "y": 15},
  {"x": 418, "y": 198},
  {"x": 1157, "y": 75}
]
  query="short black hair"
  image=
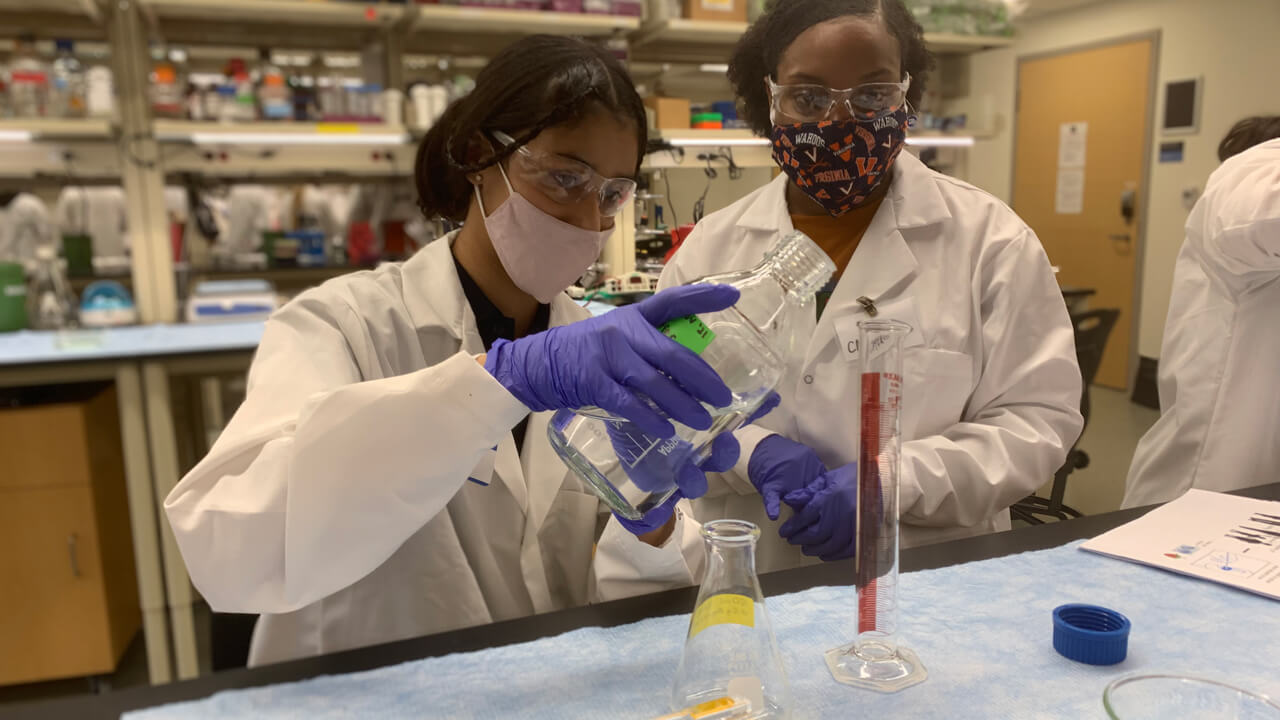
[
  {"x": 758, "y": 51},
  {"x": 1247, "y": 133},
  {"x": 537, "y": 82}
]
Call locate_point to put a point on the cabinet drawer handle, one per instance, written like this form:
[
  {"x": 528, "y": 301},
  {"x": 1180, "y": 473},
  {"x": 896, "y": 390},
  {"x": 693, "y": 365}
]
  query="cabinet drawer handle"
[{"x": 71, "y": 552}]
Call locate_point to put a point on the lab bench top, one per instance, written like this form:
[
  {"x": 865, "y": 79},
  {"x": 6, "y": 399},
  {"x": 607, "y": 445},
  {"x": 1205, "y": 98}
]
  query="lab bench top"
[
  {"x": 42, "y": 347},
  {"x": 610, "y": 614}
]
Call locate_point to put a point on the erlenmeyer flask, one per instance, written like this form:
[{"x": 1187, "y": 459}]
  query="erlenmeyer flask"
[
  {"x": 875, "y": 660},
  {"x": 730, "y": 650}
]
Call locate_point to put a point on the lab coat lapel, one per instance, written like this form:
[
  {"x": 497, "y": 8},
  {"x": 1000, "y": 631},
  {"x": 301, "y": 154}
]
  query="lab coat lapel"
[
  {"x": 883, "y": 259},
  {"x": 539, "y": 453},
  {"x": 547, "y": 475},
  {"x": 436, "y": 302}
]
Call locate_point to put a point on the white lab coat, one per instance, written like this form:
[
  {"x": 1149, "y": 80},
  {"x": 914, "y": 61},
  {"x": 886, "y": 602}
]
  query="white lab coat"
[
  {"x": 338, "y": 501},
  {"x": 1219, "y": 379},
  {"x": 25, "y": 225},
  {"x": 991, "y": 384},
  {"x": 100, "y": 213}
]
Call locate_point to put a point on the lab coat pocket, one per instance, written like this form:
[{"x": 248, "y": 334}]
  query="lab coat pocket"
[
  {"x": 937, "y": 387},
  {"x": 565, "y": 539}
]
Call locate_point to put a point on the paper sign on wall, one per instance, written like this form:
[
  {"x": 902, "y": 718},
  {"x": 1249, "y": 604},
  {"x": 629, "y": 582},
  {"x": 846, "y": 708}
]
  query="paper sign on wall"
[
  {"x": 1069, "y": 199},
  {"x": 1072, "y": 142}
]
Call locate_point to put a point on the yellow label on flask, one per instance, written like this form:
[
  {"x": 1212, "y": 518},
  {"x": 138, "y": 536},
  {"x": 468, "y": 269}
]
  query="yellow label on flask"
[{"x": 723, "y": 609}]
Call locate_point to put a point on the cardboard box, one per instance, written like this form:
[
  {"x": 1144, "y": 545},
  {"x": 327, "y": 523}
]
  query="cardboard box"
[
  {"x": 735, "y": 10},
  {"x": 669, "y": 113}
]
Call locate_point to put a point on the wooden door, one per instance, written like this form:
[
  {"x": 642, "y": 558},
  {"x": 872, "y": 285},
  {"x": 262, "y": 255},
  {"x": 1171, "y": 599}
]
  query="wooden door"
[
  {"x": 1082, "y": 117},
  {"x": 52, "y": 610}
]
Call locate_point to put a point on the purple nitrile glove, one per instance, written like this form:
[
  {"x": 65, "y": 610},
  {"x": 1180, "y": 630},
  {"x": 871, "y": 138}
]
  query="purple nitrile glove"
[
  {"x": 691, "y": 482},
  {"x": 825, "y": 521},
  {"x": 612, "y": 360},
  {"x": 779, "y": 466}
]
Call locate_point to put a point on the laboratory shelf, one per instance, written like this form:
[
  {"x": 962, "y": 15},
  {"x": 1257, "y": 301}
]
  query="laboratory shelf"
[
  {"x": 748, "y": 151},
  {"x": 285, "y": 152},
  {"x": 956, "y": 44},
  {"x": 293, "y": 13},
  {"x": 54, "y": 129},
  {"x": 679, "y": 40},
  {"x": 452, "y": 18},
  {"x": 86, "y": 8},
  {"x": 279, "y": 133}
]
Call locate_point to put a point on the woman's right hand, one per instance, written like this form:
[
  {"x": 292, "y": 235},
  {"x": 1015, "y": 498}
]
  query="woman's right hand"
[{"x": 607, "y": 361}]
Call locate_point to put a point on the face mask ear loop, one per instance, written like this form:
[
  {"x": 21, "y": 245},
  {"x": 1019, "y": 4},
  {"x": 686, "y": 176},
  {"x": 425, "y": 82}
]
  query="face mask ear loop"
[{"x": 480, "y": 200}]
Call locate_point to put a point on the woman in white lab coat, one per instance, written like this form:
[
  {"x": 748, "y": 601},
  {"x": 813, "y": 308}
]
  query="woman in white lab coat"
[
  {"x": 384, "y": 477},
  {"x": 992, "y": 387},
  {"x": 1219, "y": 426}
]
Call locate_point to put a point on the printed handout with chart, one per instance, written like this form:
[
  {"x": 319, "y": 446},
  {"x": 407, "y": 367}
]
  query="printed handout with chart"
[{"x": 1228, "y": 539}]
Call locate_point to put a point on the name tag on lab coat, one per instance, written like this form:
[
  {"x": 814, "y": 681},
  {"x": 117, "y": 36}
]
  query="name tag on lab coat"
[{"x": 903, "y": 310}]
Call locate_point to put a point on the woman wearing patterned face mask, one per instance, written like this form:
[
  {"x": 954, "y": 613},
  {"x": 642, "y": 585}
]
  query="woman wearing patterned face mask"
[{"x": 991, "y": 387}]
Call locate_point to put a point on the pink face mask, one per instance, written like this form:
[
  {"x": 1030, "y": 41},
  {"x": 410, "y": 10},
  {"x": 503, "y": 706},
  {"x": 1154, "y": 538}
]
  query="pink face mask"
[{"x": 542, "y": 254}]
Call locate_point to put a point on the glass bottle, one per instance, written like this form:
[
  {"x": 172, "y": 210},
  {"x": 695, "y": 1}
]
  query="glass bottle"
[
  {"x": 168, "y": 90},
  {"x": 875, "y": 660},
  {"x": 243, "y": 106},
  {"x": 28, "y": 80},
  {"x": 730, "y": 650},
  {"x": 747, "y": 345},
  {"x": 50, "y": 303},
  {"x": 67, "y": 91},
  {"x": 274, "y": 95}
]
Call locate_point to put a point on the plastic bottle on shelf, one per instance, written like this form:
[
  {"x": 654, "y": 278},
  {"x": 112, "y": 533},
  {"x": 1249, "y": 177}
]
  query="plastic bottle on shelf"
[
  {"x": 168, "y": 89},
  {"x": 28, "y": 80},
  {"x": 274, "y": 95},
  {"x": 50, "y": 303},
  {"x": 99, "y": 92},
  {"x": 67, "y": 91},
  {"x": 244, "y": 103}
]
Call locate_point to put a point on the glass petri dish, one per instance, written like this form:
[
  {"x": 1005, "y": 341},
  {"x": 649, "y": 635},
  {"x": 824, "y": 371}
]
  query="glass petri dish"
[{"x": 1167, "y": 697}]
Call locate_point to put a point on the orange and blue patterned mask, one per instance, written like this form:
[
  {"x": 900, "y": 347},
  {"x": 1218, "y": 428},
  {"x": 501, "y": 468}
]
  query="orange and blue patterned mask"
[{"x": 839, "y": 163}]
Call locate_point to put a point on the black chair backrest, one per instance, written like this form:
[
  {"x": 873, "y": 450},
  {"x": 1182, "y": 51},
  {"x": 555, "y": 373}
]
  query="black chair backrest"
[{"x": 1092, "y": 328}]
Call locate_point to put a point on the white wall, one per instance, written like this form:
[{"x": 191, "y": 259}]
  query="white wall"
[{"x": 1233, "y": 44}]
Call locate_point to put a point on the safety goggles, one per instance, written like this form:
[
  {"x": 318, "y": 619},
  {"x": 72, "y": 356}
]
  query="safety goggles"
[
  {"x": 814, "y": 103},
  {"x": 566, "y": 180}
]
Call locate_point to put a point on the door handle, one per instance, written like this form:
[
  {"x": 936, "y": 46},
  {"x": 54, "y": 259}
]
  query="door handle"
[
  {"x": 1128, "y": 203},
  {"x": 72, "y": 555}
]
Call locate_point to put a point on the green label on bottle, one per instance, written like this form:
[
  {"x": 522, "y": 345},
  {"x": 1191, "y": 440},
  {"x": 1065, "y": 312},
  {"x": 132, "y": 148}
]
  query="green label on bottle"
[{"x": 690, "y": 332}]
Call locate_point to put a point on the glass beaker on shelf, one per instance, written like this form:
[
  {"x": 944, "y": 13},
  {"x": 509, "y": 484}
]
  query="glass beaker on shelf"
[
  {"x": 746, "y": 345},
  {"x": 874, "y": 659},
  {"x": 730, "y": 650}
]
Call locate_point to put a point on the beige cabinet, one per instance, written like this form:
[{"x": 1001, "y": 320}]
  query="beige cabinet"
[{"x": 68, "y": 593}]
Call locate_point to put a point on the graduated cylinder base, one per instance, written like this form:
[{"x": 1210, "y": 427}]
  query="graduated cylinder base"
[{"x": 885, "y": 671}]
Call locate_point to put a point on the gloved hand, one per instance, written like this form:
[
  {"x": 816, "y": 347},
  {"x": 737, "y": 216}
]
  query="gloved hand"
[
  {"x": 691, "y": 481},
  {"x": 779, "y": 466},
  {"x": 825, "y": 523},
  {"x": 605, "y": 361}
]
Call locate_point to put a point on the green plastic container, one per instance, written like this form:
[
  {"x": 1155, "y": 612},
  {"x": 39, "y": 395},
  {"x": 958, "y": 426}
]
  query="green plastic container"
[
  {"x": 13, "y": 297},
  {"x": 78, "y": 250}
]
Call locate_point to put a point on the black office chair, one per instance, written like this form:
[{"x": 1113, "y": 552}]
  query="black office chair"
[{"x": 1092, "y": 329}]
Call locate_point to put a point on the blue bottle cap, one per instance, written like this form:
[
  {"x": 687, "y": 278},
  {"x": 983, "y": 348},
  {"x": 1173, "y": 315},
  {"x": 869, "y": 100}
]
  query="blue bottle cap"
[{"x": 1090, "y": 634}]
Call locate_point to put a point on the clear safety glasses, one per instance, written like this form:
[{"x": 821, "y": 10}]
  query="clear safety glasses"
[
  {"x": 815, "y": 103},
  {"x": 566, "y": 180}
]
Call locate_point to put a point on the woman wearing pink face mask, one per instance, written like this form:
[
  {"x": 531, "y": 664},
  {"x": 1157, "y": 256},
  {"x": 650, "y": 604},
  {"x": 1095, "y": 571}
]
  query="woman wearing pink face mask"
[
  {"x": 389, "y": 473},
  {"x": 991, "y": 386}
]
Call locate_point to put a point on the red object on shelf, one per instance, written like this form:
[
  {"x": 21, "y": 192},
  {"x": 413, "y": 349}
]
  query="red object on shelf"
[
  {"x": 362, "y": 244},
  {"x": 394, "y": 240},
  {"x": 177, "y": 231},
  {"x": 677, "y": 239}
]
